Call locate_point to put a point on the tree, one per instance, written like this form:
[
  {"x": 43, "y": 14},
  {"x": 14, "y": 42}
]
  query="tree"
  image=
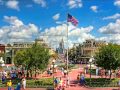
[
  {"x": 20, "y": 57},
  {"x": 75, "y": 53},
  {"x": 54, "y": 56},
  {"x": 41, "y": 56},
  {"x": 33, "y": 59},
  {"x": 2, "y": 55},
  {"x": 72, "y": 54},
  {"x": 108, "y": 57}
]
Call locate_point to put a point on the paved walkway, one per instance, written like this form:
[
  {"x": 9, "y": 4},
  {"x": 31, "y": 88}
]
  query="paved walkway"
[
  {"x": 70, "y": 88},
  {"x": 73, "y": 77},
  {"x": 26, "y": 89}
]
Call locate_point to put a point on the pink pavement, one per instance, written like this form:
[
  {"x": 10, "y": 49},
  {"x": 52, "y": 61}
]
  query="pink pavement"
[
  {"x": 26, "y": 89},
  {"x": 82, "y": 88},
  {"x": 73, "y": 76},
  {"x": 70, "y": 88}
]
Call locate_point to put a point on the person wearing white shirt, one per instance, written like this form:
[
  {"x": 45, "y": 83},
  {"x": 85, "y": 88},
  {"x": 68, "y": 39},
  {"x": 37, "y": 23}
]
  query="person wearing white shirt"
[{"x": 24, "y": 83}]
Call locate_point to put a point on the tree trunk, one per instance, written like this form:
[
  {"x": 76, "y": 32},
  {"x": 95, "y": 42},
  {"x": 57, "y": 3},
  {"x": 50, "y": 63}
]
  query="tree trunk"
[
  {"x": 30, "y": 73},
  {"x": 27, "y": 73},
  {"x": 105, "y": 73},
  {"x": 35, "y": 71},
  {"x": 110, "y": 73}
]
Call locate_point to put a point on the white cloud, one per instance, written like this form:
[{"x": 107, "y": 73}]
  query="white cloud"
[
  {"x": 17, "y": 30},
  {"x": 75, "y": 4},
  {"x": 13, "y": 4},
  {"x": 54, "y": 35},
  {"x": 117, "y": 3},
  {"x": 111, "y": 31},
  {"x": 13, "y": 21},
  {"x": 94, "y": 8},
  {"x": 56, "y": 16},
  {"x": 111, "y": 28},
  {"x": 41, "y": 2},
  {"x": 115, "y": 16},
  {"x": 114, "y": 38}
]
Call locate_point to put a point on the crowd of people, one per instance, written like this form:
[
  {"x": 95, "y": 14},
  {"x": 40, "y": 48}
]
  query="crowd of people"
[
  {"x": 61, "y": 84},
  {"x": 18, "y": 86},
  {"x": 13, "y": 73},
  {"x": 63, "y": 81},
  {"x": 8, "y": 76}
]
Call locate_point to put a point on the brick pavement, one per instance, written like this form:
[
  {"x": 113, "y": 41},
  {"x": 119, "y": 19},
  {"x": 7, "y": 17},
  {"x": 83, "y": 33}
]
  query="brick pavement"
[
  {"x": 70, "y": 88},
  {"x": 73, "y": 76},
  {"x": 26, "y": 89}
]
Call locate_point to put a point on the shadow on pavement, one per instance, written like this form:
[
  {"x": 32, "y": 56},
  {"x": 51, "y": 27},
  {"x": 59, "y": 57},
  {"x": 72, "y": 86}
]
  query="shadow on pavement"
[
  {"x": 74, "y": 82},
  {"x": 49, "y": 89}
]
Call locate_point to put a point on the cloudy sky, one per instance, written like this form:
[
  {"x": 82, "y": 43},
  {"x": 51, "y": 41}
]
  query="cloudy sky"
[{"x": 25, "y": 20}]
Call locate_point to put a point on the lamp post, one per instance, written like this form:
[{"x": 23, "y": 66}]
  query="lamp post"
[
  {"x": 53, "y": 63},
  {"x": 90, "y": 61}
]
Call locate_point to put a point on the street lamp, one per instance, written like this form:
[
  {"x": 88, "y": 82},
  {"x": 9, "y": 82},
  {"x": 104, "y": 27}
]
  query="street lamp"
[
  {"x": 53, "y": 64},
  {"x": 90, "y": 61}
]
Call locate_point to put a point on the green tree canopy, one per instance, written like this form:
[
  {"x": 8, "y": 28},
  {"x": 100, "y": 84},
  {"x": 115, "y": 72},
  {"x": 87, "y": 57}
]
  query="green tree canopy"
[
  {"x": 40, "y": 56},
  {"x": 108, "y": 57},
  {"x": 36, "y": 57},
  {"x": 74, "y": 53},
  {"x": 20, "y": 57}
]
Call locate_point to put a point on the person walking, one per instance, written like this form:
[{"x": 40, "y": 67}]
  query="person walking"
[
  {"x": 82, "y": 80},
  {"x": 119, "y": 85},
  {"x": 48, "y": 72},
  {"x": 24, "y": 83},
  {"x": 60, "y": 84},
  {"x": 97, "y": 71},
  {"x": 3, "y": 79},
  {"x": 67, "y": 81},
  {"x": 62, "y": 71},
  {"x": 9, "y": 84},
  {"x": 18, "y": 87},
  {"x": 65, "y": 73},
  {"x": 56, "y": 82},
  {"x": 5, "y": 74},
  {"x": 78, "y": 78}
]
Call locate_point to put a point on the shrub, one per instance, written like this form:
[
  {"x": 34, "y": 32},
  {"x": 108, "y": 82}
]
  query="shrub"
[
  {"x": 44, "y": 82},
  {"x": 40, "y": 82},
  {"x": 70, "y": 66},
  {"x": 101, "y": 82}
]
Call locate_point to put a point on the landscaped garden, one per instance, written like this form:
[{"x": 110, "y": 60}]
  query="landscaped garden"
[
  {"x": 101, "y": 82},
  {"x": 32, "y": 83}
]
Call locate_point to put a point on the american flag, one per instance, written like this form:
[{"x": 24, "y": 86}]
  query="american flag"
[{"x": 71, "y": 19}]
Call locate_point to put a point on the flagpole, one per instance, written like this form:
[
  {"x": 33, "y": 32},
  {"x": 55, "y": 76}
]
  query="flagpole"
[
  {"x": 74, "y": 21},
  {"x": 67, "y": 45}
]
